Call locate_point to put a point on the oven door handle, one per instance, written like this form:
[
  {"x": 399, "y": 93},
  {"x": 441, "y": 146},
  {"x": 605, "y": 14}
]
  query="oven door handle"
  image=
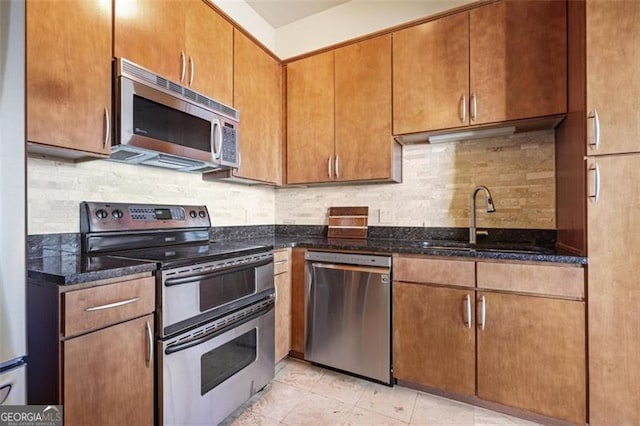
[
  {"x": 186, "y": 344},
  {"x": 198, "y": 277}
]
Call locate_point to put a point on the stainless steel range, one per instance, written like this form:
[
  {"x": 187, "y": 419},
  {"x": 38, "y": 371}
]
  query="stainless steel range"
[{"x": 214, "y": 309}]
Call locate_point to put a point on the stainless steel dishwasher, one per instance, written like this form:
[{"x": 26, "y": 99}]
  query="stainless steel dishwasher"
[{"x": 348, "y": 313}]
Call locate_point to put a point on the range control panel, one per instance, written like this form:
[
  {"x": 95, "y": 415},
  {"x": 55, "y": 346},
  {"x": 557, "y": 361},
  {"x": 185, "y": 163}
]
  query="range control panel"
[{"x": 99, "y": 217}]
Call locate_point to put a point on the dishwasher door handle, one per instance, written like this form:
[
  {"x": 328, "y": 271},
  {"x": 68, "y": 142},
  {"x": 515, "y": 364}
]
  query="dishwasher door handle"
[{"x": 352, "y": 268}]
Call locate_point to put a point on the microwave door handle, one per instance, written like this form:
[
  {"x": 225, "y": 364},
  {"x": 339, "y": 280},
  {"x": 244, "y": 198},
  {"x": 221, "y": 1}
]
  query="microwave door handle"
[
  {"x": 199, "y": 277},
  {"x": 216, "y": 138}
]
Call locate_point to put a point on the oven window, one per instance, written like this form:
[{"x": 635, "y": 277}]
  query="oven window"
[
  {"x": 219, "y": 364},
  {"x": 225, "y": 288},
  {"x": 158, "y": 121}
]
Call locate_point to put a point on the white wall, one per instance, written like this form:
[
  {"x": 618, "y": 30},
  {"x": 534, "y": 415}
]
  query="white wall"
[
  {"x": 247, "y": 18},
  {"x": 350, "y": 20}
]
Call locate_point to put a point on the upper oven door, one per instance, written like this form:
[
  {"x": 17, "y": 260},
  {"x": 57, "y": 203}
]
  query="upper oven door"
[
  {"x": 157, "y": 121},
  {"x": 194, "y": 295}
]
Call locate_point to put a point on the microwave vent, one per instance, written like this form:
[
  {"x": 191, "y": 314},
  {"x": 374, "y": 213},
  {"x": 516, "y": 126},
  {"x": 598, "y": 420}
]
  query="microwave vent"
[
  {"x": 175, "y": 88},
  {"x": 124, "y": 155},
  {"x": 129, "y": 69},
  {"x": 192, "y": 95}
]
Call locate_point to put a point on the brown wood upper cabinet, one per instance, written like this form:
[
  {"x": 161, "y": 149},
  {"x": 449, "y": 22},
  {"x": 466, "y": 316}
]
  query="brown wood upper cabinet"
[
  {"x": 257, "y": 94},
  {"x": 184, "y": 41},
  {"x": 499, "y": 62},
  {"x": 69, "y": 74},
  {"x": 339, "y": 115},
  {"x": 613, "y": 87}
]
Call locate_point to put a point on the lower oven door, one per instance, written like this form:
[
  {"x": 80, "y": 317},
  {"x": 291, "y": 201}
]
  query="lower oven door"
[{"x": 204, "y": 381}]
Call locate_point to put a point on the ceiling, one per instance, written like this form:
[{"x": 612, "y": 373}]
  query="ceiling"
[{"x": 279, "y": 13}]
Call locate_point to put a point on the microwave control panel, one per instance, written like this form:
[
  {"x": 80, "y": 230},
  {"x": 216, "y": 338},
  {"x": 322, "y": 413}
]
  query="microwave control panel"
[{"x": 229, "y": 144}]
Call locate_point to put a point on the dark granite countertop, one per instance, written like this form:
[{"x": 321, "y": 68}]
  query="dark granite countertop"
[
  {"x": 56, "y": 258},
  {"x": 65, "y": 268},
  {"x": 415, "y": 247}
]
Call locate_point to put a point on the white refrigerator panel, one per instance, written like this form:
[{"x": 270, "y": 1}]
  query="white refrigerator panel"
[{"x": 12, "y": 183}]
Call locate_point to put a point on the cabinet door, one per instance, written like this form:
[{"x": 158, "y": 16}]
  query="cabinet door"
[
  {"x": 614, "y": 294},
  {"x": 283, "y": 315},
  {"x": 518, "y": 60},
  {"x": 432, "y": 344},
  {"x": 150, "y": 33},
  {"x": 69, "y": 74},
  {"x": 257, "y": 93},
  {"x": 363, "y": 138},
  {"x": 431, "y": 75},
  {"x": 310, "y": 119},
  {"x": 209, "y": 50},
  {"x": 297, "y": 301},
  {"x": 613, "y": 87},
  {"x": 108, "y": 375},
  {"x": 531, "y": 354}
]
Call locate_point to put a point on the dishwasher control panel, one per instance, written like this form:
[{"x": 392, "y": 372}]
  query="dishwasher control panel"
[{"x": 349, "y": 258}]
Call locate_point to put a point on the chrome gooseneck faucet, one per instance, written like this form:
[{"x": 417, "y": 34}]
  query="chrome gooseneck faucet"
[{"x": 473, "y": 232}]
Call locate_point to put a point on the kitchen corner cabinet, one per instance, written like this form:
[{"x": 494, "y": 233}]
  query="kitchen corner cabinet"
[
  {"x": 503, "y": 332},
  {"x": 185, "y": 41},
  {"x": 614, "y": 295},
  {"x": 257, "y": 94},
  {"x": 339, "y": 115},
  {"x": 501, "y": 62},
  {"x": 92, "y": 349},
  {"x": 68, "y": 75},
  {"x": 613, "y": 87},
  {"x": 282, "y": 277}
]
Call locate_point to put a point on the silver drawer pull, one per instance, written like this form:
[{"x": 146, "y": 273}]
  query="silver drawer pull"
[{"x": 113, "y": 305}]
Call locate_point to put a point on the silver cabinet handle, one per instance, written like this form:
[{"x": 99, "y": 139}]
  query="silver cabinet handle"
[
  {"x": 468, "y": 321},
  {"x": 483, "y": 313},
  {"x": 275, "y": 290},
  {"x": 150, "y": 347},
  {"x": 112, "y": 305},
  {"x": 474, "y": 107},
  {"x": 183, "y": 69},
  {"x": 329, "y": 167},
  {"x": 596, "y": 194},
  {"x": 337, "y": 160},
  {"x": 107, "y": 127},
  {"x": 192, "y": 62},
  {"x": 596, "y": 129},
  {"x": 463, "y": 108}
]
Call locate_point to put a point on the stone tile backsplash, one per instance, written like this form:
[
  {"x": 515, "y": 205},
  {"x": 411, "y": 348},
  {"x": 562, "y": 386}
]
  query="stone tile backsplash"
[{"x": 437, "y": 180}]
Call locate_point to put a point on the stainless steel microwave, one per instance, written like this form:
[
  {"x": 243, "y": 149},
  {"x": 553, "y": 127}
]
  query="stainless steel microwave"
[{"x": 161, "y": 123}]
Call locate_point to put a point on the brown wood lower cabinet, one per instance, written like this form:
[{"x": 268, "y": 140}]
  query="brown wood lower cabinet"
[
  {"x": 282, "y": 277},
  {"x": 531, "y": 354},
  {"x": 92, "y": 350},
  {"x": 512, "y": 341},
  {"x": 108, "y": 375},
  {"x": 297, "y": 302},
  {"x": 433, "y": 340}
]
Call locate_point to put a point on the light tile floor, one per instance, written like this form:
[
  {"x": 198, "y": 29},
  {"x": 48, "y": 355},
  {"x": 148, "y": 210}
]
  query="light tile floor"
[{"x": 302, "y": 394}]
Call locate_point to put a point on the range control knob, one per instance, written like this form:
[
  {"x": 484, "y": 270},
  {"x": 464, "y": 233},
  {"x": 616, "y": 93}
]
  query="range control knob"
[
  {"x": 193, "y": 214},
  {"x": 101, "y": 213},
  {"x": 117, "y": 213},
  {"x": 202, "y": 214}
]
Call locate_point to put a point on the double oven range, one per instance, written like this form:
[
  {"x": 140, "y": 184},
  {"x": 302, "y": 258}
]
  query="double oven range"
[{"x": 214, "y": 305}]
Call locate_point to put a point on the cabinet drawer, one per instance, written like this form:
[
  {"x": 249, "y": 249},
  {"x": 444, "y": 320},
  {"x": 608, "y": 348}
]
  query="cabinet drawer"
[
  {"x": 281, "y": 261},
  {"x": 564, "y": 281},
  {"x": 97, "y": 307},
  {"x": 435, "y": 271}
]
